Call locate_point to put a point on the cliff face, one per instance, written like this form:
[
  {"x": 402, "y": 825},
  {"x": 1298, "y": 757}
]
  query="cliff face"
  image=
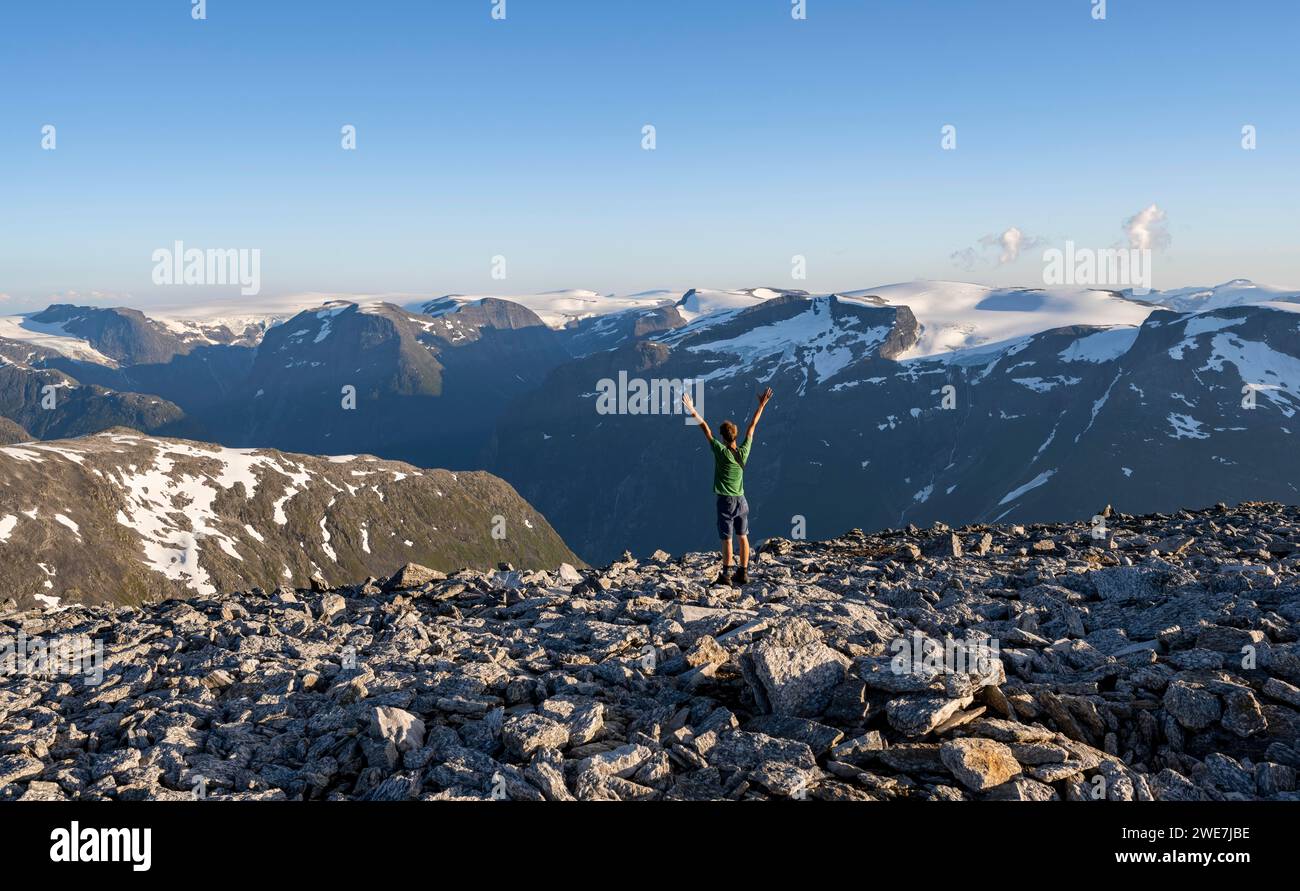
[{"x": 1143, "y": 657}]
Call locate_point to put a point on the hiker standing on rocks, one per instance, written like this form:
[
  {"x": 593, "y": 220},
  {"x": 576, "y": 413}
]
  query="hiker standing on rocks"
[{"x": 729, "y": 459}]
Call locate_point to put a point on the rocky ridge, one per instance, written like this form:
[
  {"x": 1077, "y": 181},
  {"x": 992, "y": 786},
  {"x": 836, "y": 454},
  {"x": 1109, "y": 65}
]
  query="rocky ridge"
[{"x": 1136, "y": 658}]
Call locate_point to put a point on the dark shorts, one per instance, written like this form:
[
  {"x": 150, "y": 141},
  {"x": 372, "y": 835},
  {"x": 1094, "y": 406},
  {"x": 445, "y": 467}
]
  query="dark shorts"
[{"x": 733, "y": 516}]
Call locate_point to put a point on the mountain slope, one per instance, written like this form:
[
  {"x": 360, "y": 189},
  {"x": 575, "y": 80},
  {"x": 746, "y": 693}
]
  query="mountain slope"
[
  {"x": 122, "y": 517},
  {"x": 126, "y": 336},
  {"x": 1057, "y": 423},
  {"x": 427, "y": 390},
  {"x": 49, "y": 403},
  {"x": 644, "y": 478}
]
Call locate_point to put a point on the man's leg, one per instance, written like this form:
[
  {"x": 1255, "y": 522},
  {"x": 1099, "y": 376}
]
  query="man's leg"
[
  {"x": 744, "y": 551},
  {"x": 724, "y": 575}
]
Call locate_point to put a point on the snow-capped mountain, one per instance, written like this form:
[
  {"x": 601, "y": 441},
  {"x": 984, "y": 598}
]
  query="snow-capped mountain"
[
  {"x": 953, "y": 315},
  {"x": 556, "y": 309},
  {"x": 1184, "y": 409},
  {"x": 956, "y": 316},
  {"x": 508, "y": 385},
  {"x": 48, "y": 337},
  {"x": 1239, "y": 292},
  {"x": 126, "y": 518},
  {"x": 818, "y": 335}
]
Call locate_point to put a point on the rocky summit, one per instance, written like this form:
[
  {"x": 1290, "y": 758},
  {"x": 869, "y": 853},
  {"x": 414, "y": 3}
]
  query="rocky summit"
[{"x": 1131, "y": 658}]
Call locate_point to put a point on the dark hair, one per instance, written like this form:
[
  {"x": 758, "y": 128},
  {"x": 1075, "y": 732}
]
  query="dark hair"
[{"x": 729, "y": 433}]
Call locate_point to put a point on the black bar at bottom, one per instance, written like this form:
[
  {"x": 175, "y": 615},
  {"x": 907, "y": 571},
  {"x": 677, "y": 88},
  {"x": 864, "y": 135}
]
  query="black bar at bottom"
[{"x": 326, "y": 840}]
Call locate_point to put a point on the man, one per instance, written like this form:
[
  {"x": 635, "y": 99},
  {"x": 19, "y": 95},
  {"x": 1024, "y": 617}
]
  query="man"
[{"x": 729, "y": 459}]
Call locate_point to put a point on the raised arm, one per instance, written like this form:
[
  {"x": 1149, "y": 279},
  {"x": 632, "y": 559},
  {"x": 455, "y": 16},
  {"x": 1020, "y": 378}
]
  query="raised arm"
[
  {"x": 758, "y": 412},
  {"x": 690, "y": 407}
]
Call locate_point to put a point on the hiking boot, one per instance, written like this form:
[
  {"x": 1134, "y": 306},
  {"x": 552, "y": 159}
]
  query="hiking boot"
[
  {"x": 740, "y": 578},
  {"x": 722, "y": 579}
]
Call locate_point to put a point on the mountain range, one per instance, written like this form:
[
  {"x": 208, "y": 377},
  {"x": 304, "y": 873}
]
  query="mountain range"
[{"x": 899, "y": 404}]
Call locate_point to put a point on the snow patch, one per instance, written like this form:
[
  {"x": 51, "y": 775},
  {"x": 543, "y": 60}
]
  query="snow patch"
[
  {"x": 1032, "y": 484},
  {"x": 1103, "y": 346},
  {"x": 1186, "y": 427},
  {"x": 65, "y": 521}
]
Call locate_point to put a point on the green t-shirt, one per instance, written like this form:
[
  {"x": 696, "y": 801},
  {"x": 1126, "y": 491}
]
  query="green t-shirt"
[{"x": 728, "y": 475}]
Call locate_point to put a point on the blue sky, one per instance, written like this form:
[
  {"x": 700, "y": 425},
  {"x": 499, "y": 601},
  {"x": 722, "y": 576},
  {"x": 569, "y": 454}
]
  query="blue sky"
[{"x": 522, "y": 138}]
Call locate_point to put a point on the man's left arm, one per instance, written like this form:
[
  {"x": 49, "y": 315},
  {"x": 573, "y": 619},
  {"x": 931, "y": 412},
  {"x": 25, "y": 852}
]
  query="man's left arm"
[{"x": 758, "y": 412}]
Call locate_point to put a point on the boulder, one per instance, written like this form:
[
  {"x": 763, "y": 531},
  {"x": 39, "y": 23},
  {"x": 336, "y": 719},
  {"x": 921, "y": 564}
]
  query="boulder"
[
  {"x": 412, "y": 575},
  {"x": 523, "y": 735},
  {"x": 979, "y": 764},
  {"x": 798, "y": 672},
  {"x": 1194, "y": 707},
  {"x": 397, "y": 726}
]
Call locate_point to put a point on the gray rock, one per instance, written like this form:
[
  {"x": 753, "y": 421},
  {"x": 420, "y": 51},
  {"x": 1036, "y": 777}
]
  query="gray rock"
[
  {"x": 945, "y": 545},
  {"x": 331, "y": 605},
  {"x": 413, "y": 575},
  {"x": 621, "y": 762},
  {"x": 783, "y": 766},
  {"x": 1228, "y": 640},
  {"x": 583, "y": 719},
  {"x": 519, "y": 685},
  {"x": 817, "y": 737},
  {"x": 1125, "y": 583},
  {"x": 1226, "y": 773},
  {"x": 1242, "y": 714},
  {"x": 1273, "y": 779},
  {"x": 797, "y": 670},
  {"x": 16, "y": 768},
  {"x": 1194, "y": 707},
  {"x": 979, "y": 764},
  {"x": 523, "y": 735},
  {"x": 546, "y": 772},
  {"x": 1039, "y": 753},
  {"x": 858, "y": 747},
  {"x": 401, "y": 728},
  {"x": 918, "y": 716},
  {"x": 1169, "y": 785},
  {"x": 1022, "y": 789},
  {"x": 1282, "y": 692},
  {"x": 1005, "y": 731}
]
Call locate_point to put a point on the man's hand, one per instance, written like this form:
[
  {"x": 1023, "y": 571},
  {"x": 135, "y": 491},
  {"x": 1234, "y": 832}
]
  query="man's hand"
[
  {"x": 690, "y": 407},
  {"x": 764, "y": 396}
]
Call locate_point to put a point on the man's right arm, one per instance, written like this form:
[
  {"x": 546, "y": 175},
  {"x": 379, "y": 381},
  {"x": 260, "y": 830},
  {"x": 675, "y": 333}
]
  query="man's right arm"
[{"x": 704, "y": 425}]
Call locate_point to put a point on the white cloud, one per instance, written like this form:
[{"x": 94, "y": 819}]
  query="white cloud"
[
  {"x": 1009, "y": 244},
  {"x": 1148, "y": 229}
]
